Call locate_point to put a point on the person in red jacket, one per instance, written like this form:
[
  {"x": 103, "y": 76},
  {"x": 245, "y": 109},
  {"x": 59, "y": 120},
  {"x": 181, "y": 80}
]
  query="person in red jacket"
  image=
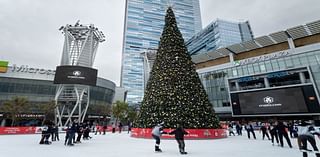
[{"x": 179, "y": 133}]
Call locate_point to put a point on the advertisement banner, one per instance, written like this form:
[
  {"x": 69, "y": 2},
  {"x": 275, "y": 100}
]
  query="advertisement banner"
[
  {"x": 192, "y": 133},
  {"x": 17, "y": 130}
]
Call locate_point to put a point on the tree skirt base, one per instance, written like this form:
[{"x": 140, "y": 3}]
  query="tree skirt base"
[{"x": 193, "y": 133}]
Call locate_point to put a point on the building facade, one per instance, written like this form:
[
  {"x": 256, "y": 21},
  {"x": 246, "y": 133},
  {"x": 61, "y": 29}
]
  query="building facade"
[
  {"x": 273, "y": 75},
  {"x": 144, "y": 21},
  {"x": 218, "y": 34},
  {"x": 36, "y": 84}
]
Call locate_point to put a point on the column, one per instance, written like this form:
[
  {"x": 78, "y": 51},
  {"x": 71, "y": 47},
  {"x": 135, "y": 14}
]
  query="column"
[
  {"x": 266, "y": 82},
  {"x": 291, "y": 43},
  {"x": 302, "y": 77},
  {"x": 237, "y": 86},
  {"x": 231, "y": 57}
]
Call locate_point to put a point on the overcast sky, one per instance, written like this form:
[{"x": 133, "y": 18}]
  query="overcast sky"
[{"x": 29, "y": 28}]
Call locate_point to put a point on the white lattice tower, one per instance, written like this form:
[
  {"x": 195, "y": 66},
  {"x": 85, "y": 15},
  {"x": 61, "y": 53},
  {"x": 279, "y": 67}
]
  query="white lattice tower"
[{"x": 80, "y": 47}]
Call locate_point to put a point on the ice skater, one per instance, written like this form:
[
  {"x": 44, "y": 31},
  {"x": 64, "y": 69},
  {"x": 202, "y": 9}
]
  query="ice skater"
[
  {"x": 45, "y": 135},
  {"x": 250, "y": 129},
  {"x": 281, "y": 128},
  {"x": 263, "y": 128},
  {"x": 179, "y": 133},
  {"x": 230, "y": 129},
  {"x": 274, "y": 134},
  {"x": 157, "y": 131},
  {"x": 239, "y": 129},
  {"x": 306, "y": 134}
]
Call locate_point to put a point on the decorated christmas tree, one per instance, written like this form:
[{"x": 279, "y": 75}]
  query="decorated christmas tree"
[{"x": 174, "y": 93}]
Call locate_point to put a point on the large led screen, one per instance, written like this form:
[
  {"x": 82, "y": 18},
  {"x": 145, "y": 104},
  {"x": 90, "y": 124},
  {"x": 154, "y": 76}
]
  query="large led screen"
[
  {"x": 75, "y": 75},
  {"x": 293, "y": 100}
]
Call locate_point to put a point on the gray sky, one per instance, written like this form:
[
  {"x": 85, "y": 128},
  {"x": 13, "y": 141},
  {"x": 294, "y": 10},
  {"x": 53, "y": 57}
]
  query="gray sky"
[{"x": 29, "y": 28}]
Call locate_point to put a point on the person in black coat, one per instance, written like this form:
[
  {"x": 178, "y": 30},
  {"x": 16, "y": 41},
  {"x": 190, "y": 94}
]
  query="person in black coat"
[
  {"x": 274, "y": 133},
  {"x": 79, "y": 132},
  {"x": 71, "y": 133},
  {"x": 250, "y": 129},
  {"x": 282, "y": 132},
  {"x": 263, "y": 128},
  {"x": 179, "y": 133},
  {"x": 239, "y": 129}
]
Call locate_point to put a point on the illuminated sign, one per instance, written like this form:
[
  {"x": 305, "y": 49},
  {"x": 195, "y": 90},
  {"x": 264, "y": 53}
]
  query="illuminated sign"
[{"x": 3, "y": 66}]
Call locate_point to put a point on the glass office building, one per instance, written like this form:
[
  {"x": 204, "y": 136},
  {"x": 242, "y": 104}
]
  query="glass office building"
[
  {"x": 144, "y": 21},
  {"x": 273, "y": 75},
  {"x": 218, "y": 34}
]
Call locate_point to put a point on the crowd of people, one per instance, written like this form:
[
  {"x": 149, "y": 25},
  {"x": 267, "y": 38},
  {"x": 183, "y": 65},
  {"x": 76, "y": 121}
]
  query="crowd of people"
[
  {"x": 277, "y": 131},
  {"x": 75, "y": 131}
]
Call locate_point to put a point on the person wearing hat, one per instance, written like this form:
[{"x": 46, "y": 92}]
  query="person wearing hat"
[
  {"x": 157, "y": 131},
  {"x": 179, "y": 133}
]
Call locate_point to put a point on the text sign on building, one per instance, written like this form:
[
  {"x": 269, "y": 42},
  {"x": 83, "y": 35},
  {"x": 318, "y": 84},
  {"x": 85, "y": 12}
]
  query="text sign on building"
[
  {"x": 75, "y": 75},
  {"x": 261, "y": 58},
  {"x": 27, "y": 69}
]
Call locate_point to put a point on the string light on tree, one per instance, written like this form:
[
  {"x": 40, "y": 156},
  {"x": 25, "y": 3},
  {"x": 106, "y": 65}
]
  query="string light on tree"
[{"x": 174, "y": 93}]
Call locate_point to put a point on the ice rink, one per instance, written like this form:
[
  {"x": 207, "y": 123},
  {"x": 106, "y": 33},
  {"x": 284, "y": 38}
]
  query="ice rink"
[{"x": 122, "y": 145}]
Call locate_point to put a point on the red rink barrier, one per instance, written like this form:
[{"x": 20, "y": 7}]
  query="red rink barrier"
[
  {"x": 193, "y": 133},
  {"x": 17, "y": 130}
]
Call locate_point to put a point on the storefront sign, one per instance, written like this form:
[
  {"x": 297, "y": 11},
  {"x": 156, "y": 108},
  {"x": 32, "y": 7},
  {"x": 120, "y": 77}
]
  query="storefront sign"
[
  {"x": 27, "y": 69},
  {"x": 261, "y": 58}
]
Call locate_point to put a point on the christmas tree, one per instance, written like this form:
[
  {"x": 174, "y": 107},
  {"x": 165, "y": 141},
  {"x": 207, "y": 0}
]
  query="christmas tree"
[{"x": 174, "y": 93}]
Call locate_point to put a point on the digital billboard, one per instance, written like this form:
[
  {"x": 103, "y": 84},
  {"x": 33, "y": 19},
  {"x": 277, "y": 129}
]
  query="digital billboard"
[
  {"x": 292, "y": 100},
  {"x": 75, "y": 75}
]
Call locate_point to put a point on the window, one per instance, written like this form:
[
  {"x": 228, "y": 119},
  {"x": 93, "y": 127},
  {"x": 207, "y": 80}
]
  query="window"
[
  {"x": 275, "y": 65},
  {"x": 262, "y": 67}
]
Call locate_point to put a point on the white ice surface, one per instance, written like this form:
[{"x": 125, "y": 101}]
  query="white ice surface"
[{"x": 122, "y": 145}]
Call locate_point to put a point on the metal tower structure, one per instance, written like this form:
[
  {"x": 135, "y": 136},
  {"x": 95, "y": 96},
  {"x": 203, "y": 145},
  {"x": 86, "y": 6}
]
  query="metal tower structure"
[{"x": 80, "y": 47}]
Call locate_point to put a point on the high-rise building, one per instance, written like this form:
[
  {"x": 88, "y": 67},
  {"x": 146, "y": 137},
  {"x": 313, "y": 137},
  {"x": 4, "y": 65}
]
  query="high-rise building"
[
  {"x": 144, "y": 20},
  {"x": 218, "y": 34}
]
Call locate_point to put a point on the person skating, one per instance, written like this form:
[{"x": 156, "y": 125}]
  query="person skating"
[
  {"x": 86, "y": 132},
  {"x": 230, "y": 129},
  {"x": 281, "y": 128},
  {"x": 157, "y": 131},
  {"x": 56, "y": 133},
  {"x": 239, "y": 129},
  {"x": 179, "y": 133},
  {"x": 274, "y": 134},
  {"x": 129, "y": 127},
  {"x": 113, "y": 127},
  {"x": 79, "y": 132},
  {"x": 263, "y": 128},
  {"x": 71, "y": 133},
  {"x": 306, "y": 134},
  {"x": 120, "y": 127},
  {"x": 45, "y": 134},
  {"x": 250, "y": 129}
]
